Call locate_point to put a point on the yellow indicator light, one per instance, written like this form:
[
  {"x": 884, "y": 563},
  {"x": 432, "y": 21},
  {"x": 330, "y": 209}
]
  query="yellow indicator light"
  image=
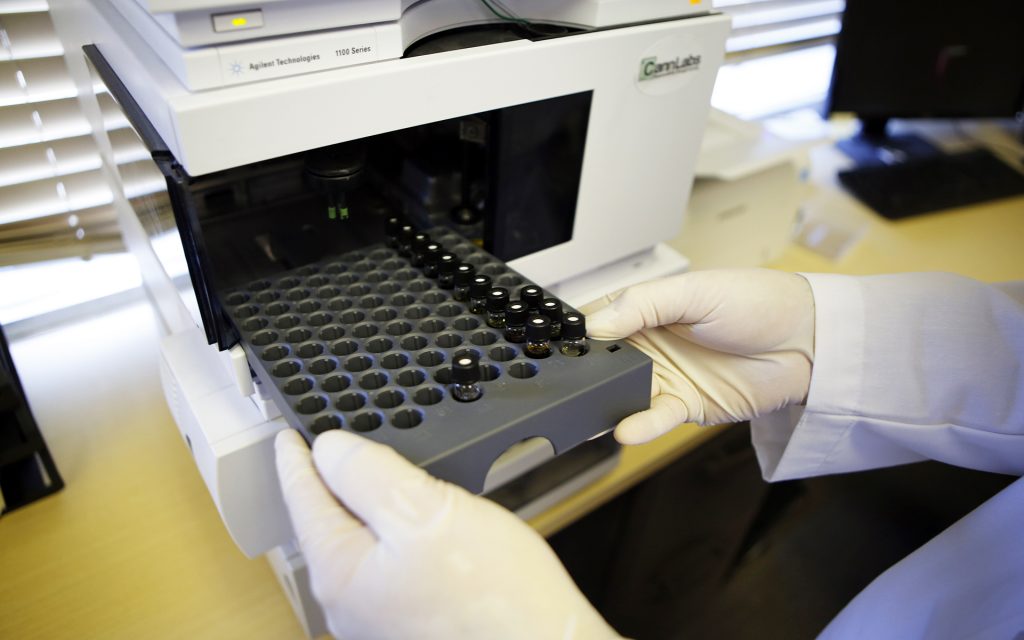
[
  {"x": 694, "y": 1},
  {"x": 241, "y": 22}
]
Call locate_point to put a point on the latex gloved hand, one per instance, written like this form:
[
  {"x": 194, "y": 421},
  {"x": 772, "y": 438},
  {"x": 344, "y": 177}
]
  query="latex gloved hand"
[
  {"x": 396, "y": 553},
  {"x": 727, "y": 345}
]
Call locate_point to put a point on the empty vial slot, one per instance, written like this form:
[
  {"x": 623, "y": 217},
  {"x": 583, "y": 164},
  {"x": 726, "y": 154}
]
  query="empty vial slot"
[
  {"x": 311, "y": 404},
  {"x": 489, "y": 372},
  {"x": 297, "y": 294},
  {"x": 407, "y": 419},
  {"x": 335, "y": 268},
  {"x": 275, "y": 352},
  {"x": 286, "y": 369},
  {"x": 238, "y": 297},
  {"x": 351, "y": 402},
  {"x": 370, "y": 302},
  {"x": 392, "y": 265},
  {"x": 277, "y": 308},
  {"x": 335, "y": 383},
  {"x": 379, "y": 345},
  {"x": 405, "y": 274},
  {"x": 248, "y": 311},
  {"x": 308, "y": 306},
  {"x": 255, "y": 324},
  {"x": 320, "y": 318},
  {"x": 413, "y": 343},
  {"x": 417, "y": 312},
  {"x": 344, "y": 347},
  {"x": 434, "y": 297},
  {"x": 394, "y": 361},
  {"x": 264, "y": 338},
  {"x": 449, "y": 340},
  {"x": 403, "y": 300},
  {"x": 510, "y": 281},
  {"x": 483, "y": 338},
  {"x": 375, "y": 276},
  {"x": 266, "y": 297},
  {"x": 322, "y": 366},
  {"x": 381, "y": 254},
  {"x": 420, "y": 285},
  {"x": 449, "y": 310},
  {"x": 288, "y": 283},
  {"x": 466, "y": 323},
  {"x": 411, "y": 377},
  {"x": 332, "y": 332},
  {"x": 503, "y": 354},
  {"x": 467, "y": 353},
  {"x": 428, "y": 396},
  {"x": 358, "y": 290},
  {"x": 389, "y": 399},
  {"x": 298, "y": 386},
  {"x": 346, "y": 278},
  {"x": 430, "y": 358},
  {"x": 492, "y": 270},
  {"x": 373, "y": 380},
  {"x": 444, "y": 375},
  {"x": 287, "y": 322},
  {"x": 352, "y": 316},
  {"x": 432, "y": 326},
  {"x": 310, "y": 350},
  {"x": 364, "y": 330},
  {"x": 363, "y": 267},
  {"x": 327, "y": 292},
  {"x": 326, "y": 423},
  {"x": 354, "y": 256},
  {"x": 339, "y": 304},
  {"x": 299, "y": 334},
  {"x": 399, "y": 328},
  {"x": 389, "y": 287},
  {"x": 308, "y": 270},
  {"x": 358, "y": 363},
  {"x": 385, "y": 314},
  {"x": 367, "y": 421},
  {"x": 259, "y": 285},
  {"x": 317, "y": 281},
  {"x": 475, "y": 260},
  {"x": 523, "y": 370}
]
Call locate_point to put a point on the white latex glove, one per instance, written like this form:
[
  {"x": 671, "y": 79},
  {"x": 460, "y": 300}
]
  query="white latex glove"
[
  {"x": 728, "y": 345},
  {"x": 396, "y": 553}
]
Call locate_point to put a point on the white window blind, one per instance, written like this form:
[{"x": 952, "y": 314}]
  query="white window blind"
[
  {"x": 763, "y": 24},
  {"x": 54, "y": 199}
]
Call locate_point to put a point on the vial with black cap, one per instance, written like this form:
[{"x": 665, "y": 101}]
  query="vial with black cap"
[
  {"x": 446, "y": 266},
  {"x": 532, "y": 296},
  {"x": 574, "y": 335},
  {"x": 515, "y": 321},
  {"x": 466, "y": 378},
  {"x": 497, "y": 300},
  {"x": 431, "y": 256},
  {"x": 405, "y": 235},
  {"x": 463, "y": 279},
  {"x": 552, "y": 310},
  {"x": 419, "y": 244},
  {"x": 391, "y": 230},
  {"x": 538, "y": 337},
  {"x": 478, "y": 289}
]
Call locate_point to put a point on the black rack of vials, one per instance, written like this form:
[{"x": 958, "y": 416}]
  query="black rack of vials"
[{"x": 366, "y": 341}]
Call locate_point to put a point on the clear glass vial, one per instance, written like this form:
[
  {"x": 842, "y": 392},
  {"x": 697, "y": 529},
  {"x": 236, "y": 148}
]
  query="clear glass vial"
[
  {"x": 466, "y": 379},
  {"x": 574, "y": 335},
  {"x": 463, "y": 279},
  {"x": 497, "y": 300},
  {"x": 515, "y": 321},
  {"x": 538, "y": 337},
  {"x": 478, "y": 289},
  {"x": 552, "y": 310},
  {"x": 532, "y": 296}
]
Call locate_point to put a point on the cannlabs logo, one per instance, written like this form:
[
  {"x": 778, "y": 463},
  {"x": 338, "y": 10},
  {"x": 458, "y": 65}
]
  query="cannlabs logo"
[{"x": 651, "y": 68}]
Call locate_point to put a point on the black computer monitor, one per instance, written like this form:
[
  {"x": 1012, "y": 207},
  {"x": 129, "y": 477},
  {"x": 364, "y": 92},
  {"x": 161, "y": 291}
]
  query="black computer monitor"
[
  {"x": 926, "y": 59},
  {"x": 923, "y": 59}
]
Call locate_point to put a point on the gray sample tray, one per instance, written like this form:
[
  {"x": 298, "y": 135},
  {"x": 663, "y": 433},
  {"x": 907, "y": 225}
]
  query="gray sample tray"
[{"x": 364, "y": 341}]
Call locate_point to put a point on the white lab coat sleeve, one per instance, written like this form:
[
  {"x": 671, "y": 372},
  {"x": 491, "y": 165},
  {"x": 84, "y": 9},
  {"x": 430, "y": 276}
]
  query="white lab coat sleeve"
[{"x": 906, "y": 367}]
